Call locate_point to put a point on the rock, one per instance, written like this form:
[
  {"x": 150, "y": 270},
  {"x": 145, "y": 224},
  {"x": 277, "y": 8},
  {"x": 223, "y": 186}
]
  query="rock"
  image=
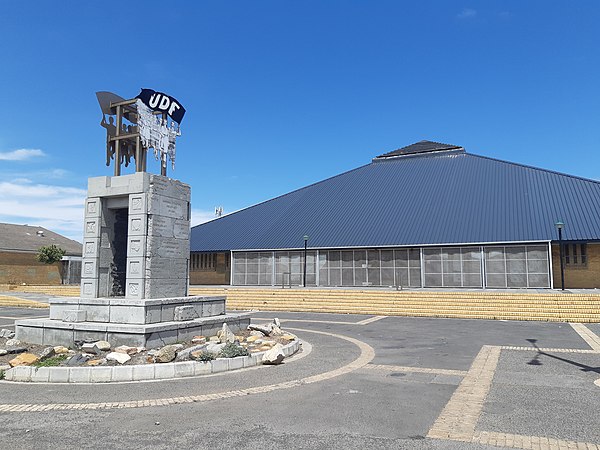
[
  {"x": 226, "y": 335},
  {"x": 103, "y": 345},
  {"x": 214, "y": 348},
  {"x": 15, "y": 350},
  {"x": 256, "y": 333},
  {"x": 198, "y": 340},
  {"x": 4, "y": 367},
  {"x": 274, "y": 356},
  {"x": 59, "y": 349},
  {"x": 121, "y": 358},
  {"x": 167, "y": 353},
  {"x": 96, "y": 362},
  {"x": 264, "y": 348},
  {"x": 24, "y": 359},
  {"x": 77, "y": 360},
  {"x": 276, "y": 331},
  {"x": 8, "y": 334},
  {"x": 184, "y": 355},
  {"x": 276, "y": 322},
  {"x": 264, "y": 329},
  {"x": 289, "y": 337},
  {"x": 90, "y": 347},
  {"x": 128, "y": 350},
  {"x": 214, "y": 339},
  {"x": 48, "y": 352},
  {"x": 13, "y": 343},
  {"x": 268, "y": 343},
  {"x": 3, "y": 352}
]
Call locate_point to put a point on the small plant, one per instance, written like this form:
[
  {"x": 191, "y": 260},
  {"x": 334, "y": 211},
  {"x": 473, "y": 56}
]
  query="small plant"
[
  {"x": 1, "y": 374},
  {"x": 50, "y": 254},
  {"x": 205, "y": 356},
  {"x": 232, "y": 350},
  {"x": 51, "y": 362}
]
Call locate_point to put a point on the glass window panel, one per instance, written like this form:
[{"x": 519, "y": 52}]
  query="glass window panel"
[
  {"x": 471, "y": 254},
  {"x": 515, "y": 266},
  {"x": 539, "y": 280},
  {"x": 252, "y": 257},
  {"x": 471, "y": 266},
  {"x": 323, "y": 277},
  {"x": 452, "y": 254},
  {"x": 265, "y": 279},
  {"x": 452, "y": 279},
  {"x": 472, "y": 280},
  {"x": 433, "y": 266},
  {"x": 516, "y": 280},
  {"x": 310, "y": 279},
  {"x": 451, "y": 266},
  {"x": 348, "y": 259},
  {"x": 373, "y": 258},
  {"x": 492, "y": 253},
  {"x": 252, "y": 278},
  {"x": 433, "y": 280},
  {"x": 335, "y": 277},
  {"x": 296, "y": 279},
  {"x": 414, "y": 256},
  {"x": 374, "y": 277},
  {"x": 537, "y": 266},
  {"x": 360, "y": 277},
  {"x": 401, "y": 257},
  {"x": 537, "y": 252},
  {"x": 348, "y": 277},
  {"x": 415, "y": 277},
  {"x": 360, "y": 258},
  {"x": 322, "y": 260},
  {"x": 515, "y": 252},
  {"x": 402, "y": 277},
  {"x": 387, "y": 277},
  {"x": 495, "y": 266},
  {"x": 334, "y": 259},
  {"x": 432, "y": 253},
  {"x": 387, "y": 258},
  {"x": 239, "y": 279},
  {"x": 495, "y": 280}
]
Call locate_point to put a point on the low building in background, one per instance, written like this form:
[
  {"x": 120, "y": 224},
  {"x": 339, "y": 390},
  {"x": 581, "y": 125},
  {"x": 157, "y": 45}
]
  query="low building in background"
[
  {"x": 428, "y": 215},
  {"x": 19, "y": 245}
]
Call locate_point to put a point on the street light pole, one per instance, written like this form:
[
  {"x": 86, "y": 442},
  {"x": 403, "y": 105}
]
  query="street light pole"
[
  {"x": 559, "y": 226},
  {"x": 304, "y": 275}
]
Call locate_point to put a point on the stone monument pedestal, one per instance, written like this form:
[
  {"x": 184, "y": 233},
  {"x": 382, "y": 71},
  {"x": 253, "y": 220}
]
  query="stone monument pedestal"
[{"x": 134, "y": 282}]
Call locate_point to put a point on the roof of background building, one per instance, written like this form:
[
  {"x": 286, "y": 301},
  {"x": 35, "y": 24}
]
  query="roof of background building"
[
  {"x": 441, "y": 196},
  {"x": 421, "y": 147},
  {"x": 26, "y": 238}
]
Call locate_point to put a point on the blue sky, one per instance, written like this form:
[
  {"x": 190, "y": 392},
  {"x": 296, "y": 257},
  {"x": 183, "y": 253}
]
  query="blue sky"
[{"x": 281, "y": 94}]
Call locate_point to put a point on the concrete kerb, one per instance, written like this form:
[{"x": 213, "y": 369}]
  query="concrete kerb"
[{"x": 145, "y": 372}]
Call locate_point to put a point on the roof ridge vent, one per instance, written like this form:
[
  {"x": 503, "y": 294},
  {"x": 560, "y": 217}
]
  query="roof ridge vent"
[{"x": 421, "y": 147}]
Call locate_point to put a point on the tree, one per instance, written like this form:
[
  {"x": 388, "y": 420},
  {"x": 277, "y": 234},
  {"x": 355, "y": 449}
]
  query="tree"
[{"x": 50, "y": 254}]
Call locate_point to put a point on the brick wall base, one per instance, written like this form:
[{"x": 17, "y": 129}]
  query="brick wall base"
[
  {"x": 19, "y": 268},
  {"x": 584, "y": 277}
]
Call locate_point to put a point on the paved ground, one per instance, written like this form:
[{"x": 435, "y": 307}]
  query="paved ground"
[{"x": 360, "y": 382}]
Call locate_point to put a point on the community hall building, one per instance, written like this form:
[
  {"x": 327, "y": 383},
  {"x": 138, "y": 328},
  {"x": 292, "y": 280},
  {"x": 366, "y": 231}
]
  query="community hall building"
[{"x": 428, "y": 215}]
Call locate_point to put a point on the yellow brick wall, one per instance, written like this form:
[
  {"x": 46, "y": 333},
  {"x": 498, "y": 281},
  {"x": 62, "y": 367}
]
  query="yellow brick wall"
[
  {"x": 220, "y": 275},
  {"x": 578, "y": 277},
  {"x": 18, "y": 268}
]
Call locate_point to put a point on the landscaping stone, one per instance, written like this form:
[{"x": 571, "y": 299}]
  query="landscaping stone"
[
  {"x": 59, "y": 349},
  {"x": 167, "y": 353},
  {"x": 198, "y": 340},
  {"x": 289, "y": 337},
  {"x": 256, "y": 333},
  {"x": 90, "y": 348},
  {"x": 277, "y": 322},
  {"x": 77, "y": 360},
  {"x": 8, "y": 334},
  {"x": 185, "y": 354},
  {"x": 3, "y": 352},
  {"x": 119, "y": 357},
  {"x": 276, "y": 331},
  {"x": 274, "y": 355},
  {"x": 13, "y": 343},
  {"x": 15, "y": 350},
  {"x": 225, "y": 335},
  {"x": 213, "y": 339},
  {"x": 96, "y": 362},
  {"x": 214, "y": 348},
  {"x": 4, "y": 367},
  {"x": 264, "y": 329},
  {"x": 103, "y": 345},
  {"x": 128, "y": 350},
  {"x": 24, "y": 359},
  {"x": 48, "y": 352}
]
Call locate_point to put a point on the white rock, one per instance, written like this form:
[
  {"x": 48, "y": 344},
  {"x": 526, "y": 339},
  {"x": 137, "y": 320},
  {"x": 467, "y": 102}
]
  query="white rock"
[
  {"x": 13, "y": 343},
  {"x": 226, "y": 335},
  {"x": 59, "y": 349},
  {"x": 276, "y": 322},
  {"x": 121, "y": 358},
  {"x": 128, "y": 350},
  {"x": 214, "y": 348},
  {"x": 102, "y": 345},
  {"x": 274, "y": 356}
]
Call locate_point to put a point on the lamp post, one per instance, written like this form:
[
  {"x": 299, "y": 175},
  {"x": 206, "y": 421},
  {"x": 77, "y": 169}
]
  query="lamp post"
[
  {"x": 304, "y": 273},
  {"x": 559, "y": 226}
]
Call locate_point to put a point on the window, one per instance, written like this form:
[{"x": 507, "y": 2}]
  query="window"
[
  {"x": 203, "y": 261},
  {"x": 575, "y": 255}
]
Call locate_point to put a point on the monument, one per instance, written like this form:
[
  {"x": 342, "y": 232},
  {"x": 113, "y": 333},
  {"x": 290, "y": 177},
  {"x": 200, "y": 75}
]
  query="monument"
[{"x": 136, "y": 243}]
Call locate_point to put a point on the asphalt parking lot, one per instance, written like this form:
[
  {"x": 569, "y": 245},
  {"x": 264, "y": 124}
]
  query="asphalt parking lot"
[{"x": 360, "y": 382}]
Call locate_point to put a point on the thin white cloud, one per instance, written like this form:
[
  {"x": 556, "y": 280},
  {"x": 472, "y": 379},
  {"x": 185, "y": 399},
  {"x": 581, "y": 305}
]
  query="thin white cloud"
[
  {"x": 200, "y": 216},
  {"x": 21, "y": 154},
  {"x": 467, "y": 13}
]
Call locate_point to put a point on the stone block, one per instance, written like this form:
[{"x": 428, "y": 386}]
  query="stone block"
[
  {"x": 58, "y": 336},
  {"x": 220, "y": 365},
  {"x": 183, "y": 313},
  {"x": 124, "y": 338},
  {"x": 91, "y": 247},
  {"x": 40, "y": 374},
  {"x": 97, "y": 313},
  {"x": 164, "y": 288},
  {"x": 164, "y": 371},
  {"x": 184, "y": 369},
  {"x": 89, "y": 267},
  {"x": 236, "y": 363},
  {"x": 31, "y": 334},
  {"x": 137, "y": 224},
  {"x": 168, "y": 207},
  {"x": 20, "y": 373},
  {"x": 74, "y": 315},
  {"x": 167, "y": 313},
  {"x": 101, "y": 374},
  {"x": 153, "y": 314},
  {"x": 127, "y": 314},
  {"x": 124, "y": 373},
  {"x": 138, "y": 204},
  {"x": 59, "y": 375},
  {"x": 167, "y": 247},
  {"x": 143, "y": 372},
  {"x": 136, "y": 246},
  {"x": 92, "y": 207},
  {"x": 136, "y": 267},
  {"x": 89, "y": 288},
  {"x": 91, "y": 227},
  {"x": 160, "y": 338},
  {"x": 84, "y": 335},
  {"x": 80, "y": 374},
  {"x": 167, "y": 268},
  {"x": 202, "y": 368},
  {"x": 251, "y": 361},
  {"x": 168, "y": 187}
]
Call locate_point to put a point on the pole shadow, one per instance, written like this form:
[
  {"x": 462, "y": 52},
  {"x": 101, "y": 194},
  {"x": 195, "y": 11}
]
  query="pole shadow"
[{"x": 535, "y": 361}]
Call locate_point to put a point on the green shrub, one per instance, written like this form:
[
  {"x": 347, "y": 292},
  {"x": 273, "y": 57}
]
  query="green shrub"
[
  {"x": 51, "y": 362},
  {"x": 50, "y": 254},
  {"x": 232, "y": 350},
  {"x": 205, "y": 356},
  {"x": 1, "y": 374}
]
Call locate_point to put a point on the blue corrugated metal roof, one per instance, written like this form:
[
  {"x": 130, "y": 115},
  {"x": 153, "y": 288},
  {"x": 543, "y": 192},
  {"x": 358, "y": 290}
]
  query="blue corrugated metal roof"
[{"x": 436, "y": 198}]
